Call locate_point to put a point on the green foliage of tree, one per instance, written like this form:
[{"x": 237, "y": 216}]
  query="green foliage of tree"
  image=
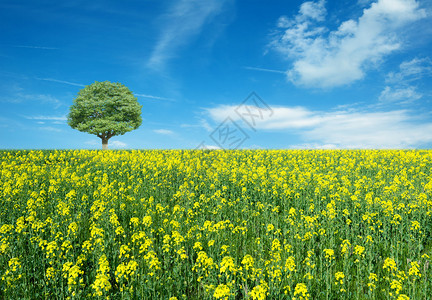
[{"x": 105, "y": 109}]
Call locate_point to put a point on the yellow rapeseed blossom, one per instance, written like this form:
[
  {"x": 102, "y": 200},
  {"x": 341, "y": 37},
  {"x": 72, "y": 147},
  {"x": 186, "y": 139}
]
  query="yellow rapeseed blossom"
[
  {"x": 259, "y": 292},
  {"x": 339, "y": 277},
  {"x": 414, "y": 269},
  {"x": 247, "y": 262},
  {"x": 329, "y": 254},
  {"x": 301, "y": 291},
  {"x": 102, "y": 284},
  {"x": 215, "y": 224},
  {"x": 389, "y": 264},
  {"x": 227, "y": 264},
  {"x": 222, "y": 291}
]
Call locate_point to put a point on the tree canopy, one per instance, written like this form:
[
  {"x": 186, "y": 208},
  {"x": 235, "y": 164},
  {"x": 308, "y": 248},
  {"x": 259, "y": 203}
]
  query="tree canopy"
[{"x": 105, "y": 109}]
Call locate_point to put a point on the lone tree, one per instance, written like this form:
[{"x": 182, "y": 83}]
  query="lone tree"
[{"x": 105, "y": 109}]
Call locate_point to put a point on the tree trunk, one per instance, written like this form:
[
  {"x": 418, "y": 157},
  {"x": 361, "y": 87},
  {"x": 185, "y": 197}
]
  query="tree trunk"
[{"x": 104, "y": 144}]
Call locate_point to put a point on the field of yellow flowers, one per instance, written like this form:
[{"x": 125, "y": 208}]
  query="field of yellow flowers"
[{"x": 193, "y": 224}]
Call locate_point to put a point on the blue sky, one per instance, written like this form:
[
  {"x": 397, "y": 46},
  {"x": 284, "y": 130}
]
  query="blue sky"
[{"x": 222, "y": 73}]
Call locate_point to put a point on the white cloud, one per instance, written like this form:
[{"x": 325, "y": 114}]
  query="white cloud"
[
  {"x": 163, "y": 131},
  {"x": 185, "y": 20},
  {"x": 49, "y": 128},
  {"x": 111, "y": 144},
  {"x": 47, "y": 118},
  {"x": 42, "y": 98},
  {"x": 202, "y": 123},
  {"x": 61, "y": 81},
  {"x": 265, "y": 70},
  {"x": 208, "y": 147},
  {"x": 35, "y": 47},
  {"x": 93, "y": 142},
  {"x": 411, "y": 70},
  {"x": 323, "y": 58},
  {"x": 153, "y": 97},
  {"x": 400, "y": 89},
  {"x": 400, "y": 95},
  {"x": 283, "y": 117},
  {"x": 343, "y": 128},
  {"x": 313, "y": 10},
  {"x": 117, "y": 144},
  {"x": 314, "y": 146},
  {"x": 391, "y": 129}
]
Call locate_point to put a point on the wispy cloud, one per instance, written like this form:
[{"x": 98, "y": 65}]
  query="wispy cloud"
[
  {"x": 343, "y": 128},
  {"x": 400, "y": 88},
  {"x": 265, "y": 70},
  {"x": 118, "y": 144},
  {"x": 111, "y": 144},
  {"x": 185, "y": 19},
  {"x": 93, "y": 142},
  {"x": 203, "y": 146},
  {"x": 47, "y": 118},
  {"x": 202, "y": 123},
  {"x": 61, "y": 81},
  {"x": 163, "y": 131},
  {"x": 50, "y": 128},
  {"x": 20, "y": 97},
  {"x": 153, "y": 97},
  {"x": 314, "y": 146},
  {"x": 35, "y": 47},
  {"x": 411, "y": 70},
  {"x": 324, "y": 58},
  {"x": 400, "y": 95}
]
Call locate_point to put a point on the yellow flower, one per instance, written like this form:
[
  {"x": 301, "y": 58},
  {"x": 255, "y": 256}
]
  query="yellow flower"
[
  {"x": 147, "y": 221},
  {"x": 134, "y": 221},
  {"x": 20, "y": 225},
  {"x": 72, "y": 228},
  {"x": 248, "y": 262},
  {"x": 124, "y": 250},
  {"x": 50, "y": 273},
  {"x": 270, "y": 227},
  {"x": 102, "y": 283},
  {"x": 301, "y": 291},
  {"x": 415, "y": 225},
  {"x": 224, "y": 249},
  {"x": 415, "y": 269},
  {"x": 396, "y": 285},
  {"x": 153, "y": 261},
  {"x": 222, "y": 291},
  {"x": 276, "y": 245},
  {"x": 259, "y": 292},
  {"x": 227, "y": 264},
  {"x": 329, "y": 254},
  {"x": 197, "y": 246},
  {"x": 345, "y": 246},
  {"x": 359, "y": 250},
  {"x": 290, "y": 264},
  {"x": 389, "y": 264}
]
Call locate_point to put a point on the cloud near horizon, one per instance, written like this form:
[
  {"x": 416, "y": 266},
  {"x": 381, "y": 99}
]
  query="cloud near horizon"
[
  {"x": 163, "y": 131},
  {"x": 323, "y": 58},
  {"x": 342, "y": 128}
]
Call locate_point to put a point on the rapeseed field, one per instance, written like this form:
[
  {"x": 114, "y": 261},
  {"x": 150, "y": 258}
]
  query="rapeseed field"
[{"x": 193, "y": 224}]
